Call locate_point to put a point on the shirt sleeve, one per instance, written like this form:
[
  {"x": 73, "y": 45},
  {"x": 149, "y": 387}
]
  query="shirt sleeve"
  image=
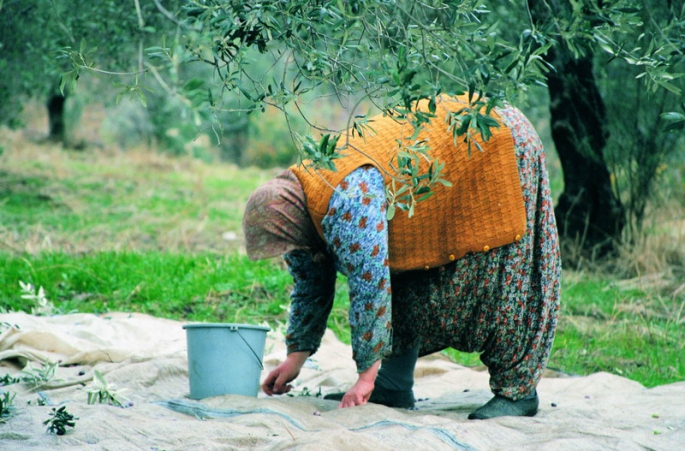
[
  {"x": 356, "y": 232},
  {"x": 311, "y": 300}
]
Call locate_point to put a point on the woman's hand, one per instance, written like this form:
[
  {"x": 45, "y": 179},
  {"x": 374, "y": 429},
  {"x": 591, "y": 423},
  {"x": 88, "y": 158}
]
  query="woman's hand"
[
  {"x": 277, "y": 382},
  {"x": 361, "y": 391}
]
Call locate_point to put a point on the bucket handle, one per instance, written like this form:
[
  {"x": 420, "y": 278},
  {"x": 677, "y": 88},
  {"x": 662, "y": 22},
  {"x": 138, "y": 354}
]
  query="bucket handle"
[{"x": 235, "y": 329}]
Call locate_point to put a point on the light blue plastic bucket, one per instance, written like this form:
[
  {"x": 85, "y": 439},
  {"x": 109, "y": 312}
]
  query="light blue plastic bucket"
[{"x": 224, "y": 359}]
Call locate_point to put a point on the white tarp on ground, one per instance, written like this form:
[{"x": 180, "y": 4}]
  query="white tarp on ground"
[{"x": 147, "y": 357}]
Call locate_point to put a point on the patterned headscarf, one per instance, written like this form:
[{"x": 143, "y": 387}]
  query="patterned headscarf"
[{"x": 276, "y": 220}]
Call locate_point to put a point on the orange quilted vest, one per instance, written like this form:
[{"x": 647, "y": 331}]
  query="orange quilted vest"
[{"x": 482, "y": 210}]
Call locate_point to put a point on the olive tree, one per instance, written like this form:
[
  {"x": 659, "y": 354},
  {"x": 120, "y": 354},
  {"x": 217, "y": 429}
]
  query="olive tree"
[
  {"x": 39, "y": 40},
  {"x": 614, "y": 92},
  {"x": 645, "y": 122}
]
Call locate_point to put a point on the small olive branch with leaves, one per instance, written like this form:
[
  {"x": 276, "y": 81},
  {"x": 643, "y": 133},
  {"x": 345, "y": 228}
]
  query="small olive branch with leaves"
[
  {"x": 6, "y": 406},
  {"x": 43, "y": 306},
  {"x": 59, "y": 421},
  {"x": 469, "y": 121},
  {"x": 322, "y": 153},
  {"x": 8, "y": 379},
  {"x": 37, "y": 377},
  {"x": 414, "y": 185},
  {"x": 307, "y": 393},
  {"x": 103, "y": 392}
]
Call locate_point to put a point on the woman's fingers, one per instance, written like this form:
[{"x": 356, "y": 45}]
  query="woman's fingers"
[
  {"x": 276, "y": 383},
  {"x": 358, "y": 395},
  {"x": 351, "y": 399},
  {"x": 268, "y": 384},
  {"x": 281, "y": 385},
  {"x": 351, "y": 402}
]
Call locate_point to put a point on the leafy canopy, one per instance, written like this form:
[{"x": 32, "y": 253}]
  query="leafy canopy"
[{"x": 382, "y": 55}]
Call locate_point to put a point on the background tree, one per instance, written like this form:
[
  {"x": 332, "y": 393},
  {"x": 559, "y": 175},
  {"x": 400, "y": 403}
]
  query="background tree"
[
  {"x": 39, "y": 38},
  {"x": 588, "y": 209},
  {"x": 645, "y": 122},
  {"x": 606, "y": 157}
]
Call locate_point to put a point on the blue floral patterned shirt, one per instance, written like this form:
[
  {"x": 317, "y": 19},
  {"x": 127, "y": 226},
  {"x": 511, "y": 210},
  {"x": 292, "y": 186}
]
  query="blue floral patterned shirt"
[{"x": 356, "y": 234}]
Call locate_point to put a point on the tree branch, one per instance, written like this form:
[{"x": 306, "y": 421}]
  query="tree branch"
[{"x": 171, "y": 17}]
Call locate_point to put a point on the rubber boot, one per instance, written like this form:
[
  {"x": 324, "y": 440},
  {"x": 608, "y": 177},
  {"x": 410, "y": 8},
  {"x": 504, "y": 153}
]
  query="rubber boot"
[{"x": 500, "y": 406}]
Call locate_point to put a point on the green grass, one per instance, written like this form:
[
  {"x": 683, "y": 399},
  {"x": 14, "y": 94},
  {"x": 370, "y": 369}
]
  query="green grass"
[
  {"x": 202, "y": 287},
  {"x": 104, "y": 232},
  {"x": 604, "y": 326},
  {"x": 141, "y": 203},
  {"x": 608, "y": 326},
  {"x": 189, "y": 287}
]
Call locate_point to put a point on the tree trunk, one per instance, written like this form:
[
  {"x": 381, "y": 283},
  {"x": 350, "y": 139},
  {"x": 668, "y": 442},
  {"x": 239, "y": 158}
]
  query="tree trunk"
[
  {"x": 55, "y": 105},
  {"x": 588, "y": 211}
]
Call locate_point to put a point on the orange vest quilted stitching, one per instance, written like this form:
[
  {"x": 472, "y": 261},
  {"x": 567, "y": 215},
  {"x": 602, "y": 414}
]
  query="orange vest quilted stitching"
[{"x": 482, "y": 210}]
